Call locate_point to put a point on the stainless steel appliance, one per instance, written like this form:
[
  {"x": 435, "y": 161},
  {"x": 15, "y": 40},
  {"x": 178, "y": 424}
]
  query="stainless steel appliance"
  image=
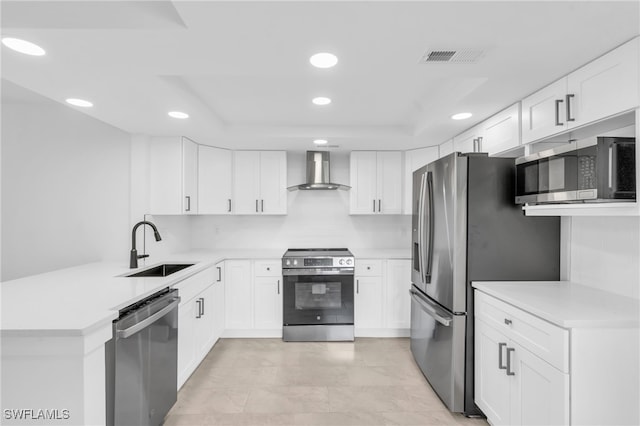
[
  {"x": 318, "y": 174},
  {"x": 141, "y": 361},
  {"x": 318, "y": 295},
  {"x": 591, "y": 170},
  {"x": 467, "y": 228}
]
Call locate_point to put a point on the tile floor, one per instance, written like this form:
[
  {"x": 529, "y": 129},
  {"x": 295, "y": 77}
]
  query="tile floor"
[{"x": 270, "y": 382}]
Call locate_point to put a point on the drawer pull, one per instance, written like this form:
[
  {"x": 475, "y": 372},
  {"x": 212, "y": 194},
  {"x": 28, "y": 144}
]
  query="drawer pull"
[
  {"x": 500, "y": 346},
  {"x": 509, "y": 372},
  {"x": 508, "y": 321}
]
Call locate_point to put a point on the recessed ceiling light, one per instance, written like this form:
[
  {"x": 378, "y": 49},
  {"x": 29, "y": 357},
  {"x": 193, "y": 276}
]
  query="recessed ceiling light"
[
  {"x": 320, "y": 141},
  {"x": 321, "y": 100},
  {"x": 323, "y": 60},
  {"x": 79, "y": 102},
  {"x": 178, "y": 114},
  {"x": 461, "y": 116},
  {"x": 23, "y": 46}
]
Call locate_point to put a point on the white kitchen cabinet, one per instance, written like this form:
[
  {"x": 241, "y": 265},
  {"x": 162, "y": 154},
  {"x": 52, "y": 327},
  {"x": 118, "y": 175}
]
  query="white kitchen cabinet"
[
  {"x": 253, "y": 290},
  {"x": 196, "y": 321},
  {"x": 267, "y": 295},
  {"x": 413, "y": 160},
  {"x": 514, "y": 386},
  {"x": 602, "y": 88},
  {"x": 470, "y": 140},
  {"x": 446, "y": 148},
  {"x": 501, "y": 132},
  {"x": 173, "y": 176},
  {"x": 237, "y": 288},
  {"x": 219, "y": 301},
  {"x": 376, "y": 182},
  {"x": 382, "y": 303},
  {"x": 214, "y": 180},
  {"x": 259, "y": 182},
  {"x": 397, "y": 300},
  {"x": 531, "y": 371}
]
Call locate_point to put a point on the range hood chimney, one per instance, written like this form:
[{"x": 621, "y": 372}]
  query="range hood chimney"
[{"x": 318, "y": 173}]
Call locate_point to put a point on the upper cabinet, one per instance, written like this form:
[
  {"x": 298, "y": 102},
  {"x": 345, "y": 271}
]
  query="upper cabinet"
[
  {"x": 376, "y": 182},
  {"x": 501, "y": 132},
  {"x": 469, "y": 141},
  {"x": 173, "y": 176},
  {"x": 413, "y": 160},
  {"x": 600, "y": 89},
  {"x": 260, "y": 182},
  {"x": 215, "y": 167},
  {"x": 446, "y": 148}
]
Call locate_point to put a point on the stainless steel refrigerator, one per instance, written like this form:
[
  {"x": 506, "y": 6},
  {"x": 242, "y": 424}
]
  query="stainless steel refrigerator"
[{"x": 466, "y": 227}]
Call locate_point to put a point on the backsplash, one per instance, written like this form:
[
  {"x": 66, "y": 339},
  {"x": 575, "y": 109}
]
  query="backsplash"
[{"x": 605, "y": 253}]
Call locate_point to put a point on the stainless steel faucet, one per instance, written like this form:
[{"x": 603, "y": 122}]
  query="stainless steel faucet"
[{"x": 133, "y": 258}]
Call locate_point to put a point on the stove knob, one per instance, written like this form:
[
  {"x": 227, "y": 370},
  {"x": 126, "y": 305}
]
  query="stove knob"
[
  {"x": 341, "y": 261},
  {"x": 349, "y": 261},
  {"x": 288, "y": 262},
  {"x": 295, "y": 262}
]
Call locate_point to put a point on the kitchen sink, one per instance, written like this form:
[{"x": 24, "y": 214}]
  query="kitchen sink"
[{"x": 161, "y": 270}]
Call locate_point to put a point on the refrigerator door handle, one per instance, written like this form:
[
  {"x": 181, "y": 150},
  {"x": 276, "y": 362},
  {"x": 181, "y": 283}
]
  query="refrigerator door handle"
[
  {"x": 430, "y": 309},
  {"x": 429, "y": 254},
  {"x": 421, "y": 226}
]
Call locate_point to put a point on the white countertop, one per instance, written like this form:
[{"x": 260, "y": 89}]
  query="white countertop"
[
  {"x": 78, "y": 300},
  {"x": 566, "y": 304},
  {"x": 381, "y": 253}
]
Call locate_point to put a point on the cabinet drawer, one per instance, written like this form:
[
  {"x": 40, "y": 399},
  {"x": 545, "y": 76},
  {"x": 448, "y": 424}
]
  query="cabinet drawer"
[
  {"x": 195, "y": 284},
  {"x": 368, "y": 267},
  {"x": 267, "y": 268},
  {"x": 548, "y": 341}
]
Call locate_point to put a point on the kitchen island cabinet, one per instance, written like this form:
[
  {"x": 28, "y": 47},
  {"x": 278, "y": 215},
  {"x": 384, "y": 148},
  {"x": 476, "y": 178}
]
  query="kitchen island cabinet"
[{"x": 543, "y": 354}]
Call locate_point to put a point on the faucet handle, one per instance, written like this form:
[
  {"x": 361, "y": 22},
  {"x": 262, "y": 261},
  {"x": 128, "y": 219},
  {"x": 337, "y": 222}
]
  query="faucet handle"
[{"x": 140, "y": 256}]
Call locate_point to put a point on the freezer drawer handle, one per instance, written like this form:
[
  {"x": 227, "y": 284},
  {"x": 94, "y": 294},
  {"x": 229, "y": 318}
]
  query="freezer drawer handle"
[
  {"x": 143, "y": 324},
  {"x": 500, "y": 346},
  {"x": 430, "y": 310}
]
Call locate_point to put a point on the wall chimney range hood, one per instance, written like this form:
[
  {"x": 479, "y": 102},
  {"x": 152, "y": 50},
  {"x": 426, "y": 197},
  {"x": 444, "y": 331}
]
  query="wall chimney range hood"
[{"x": 318, "y": 173}]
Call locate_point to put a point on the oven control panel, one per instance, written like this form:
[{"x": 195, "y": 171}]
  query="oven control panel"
[{"x": 317, "y": 262}]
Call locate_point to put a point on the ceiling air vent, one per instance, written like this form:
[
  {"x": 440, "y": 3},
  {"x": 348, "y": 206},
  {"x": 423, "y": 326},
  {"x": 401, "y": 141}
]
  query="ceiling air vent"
[{"x": 447, "y": 56}]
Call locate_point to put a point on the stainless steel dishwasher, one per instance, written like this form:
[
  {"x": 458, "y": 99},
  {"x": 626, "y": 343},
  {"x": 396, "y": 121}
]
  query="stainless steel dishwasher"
[{"x": 141, "y": 361}]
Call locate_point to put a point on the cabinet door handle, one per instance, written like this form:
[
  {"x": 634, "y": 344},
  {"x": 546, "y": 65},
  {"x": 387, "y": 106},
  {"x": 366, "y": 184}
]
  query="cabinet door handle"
[
  {"x": 357, "y": 286},
  {"x": 475, "y": 145},
  {"x": 188, "y": 209},
  {"x": 568, "y": 99},
  {"x": 229, "y": 205},
  {"x": 508, "y": 321},
  {"x": 479, "y": 144},
  {"x": 374, "y": 206},
  {"x": 256, "y": 206},
  {"x": 262, "y": 206},
  {"x": 558, "y": 102},
  {"x": 202, "y": 298},
  {"x": 379, "y": 206},
  {"x": 509, "y": 372},
  {"x": 278, "y": 286},
  {"x": 500, "y": 346},
  {"x": 199, "y": 303},
  {"x": 219, "y": 273}
]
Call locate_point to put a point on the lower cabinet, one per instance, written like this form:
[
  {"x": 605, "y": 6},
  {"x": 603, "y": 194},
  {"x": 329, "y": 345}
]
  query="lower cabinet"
[
  {"x": 529, "y": 371},
  {"x": 253, "y": 298},
  {"x": 514, "y": 386},
  {"x": 196, "y": 321},
  {"x": 382, "y": 302}
]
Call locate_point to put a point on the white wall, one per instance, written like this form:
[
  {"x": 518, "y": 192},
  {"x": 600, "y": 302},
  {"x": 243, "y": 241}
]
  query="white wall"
[
  {"x": 314, "y": 219},
  {"x": 605, "y": 253},
  {"x": 65, "y": 188}
]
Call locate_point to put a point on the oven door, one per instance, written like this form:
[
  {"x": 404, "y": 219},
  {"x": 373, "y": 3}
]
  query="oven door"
[
  {"x": 548, "y": 176},
  {"x": 318, "y": 299}
]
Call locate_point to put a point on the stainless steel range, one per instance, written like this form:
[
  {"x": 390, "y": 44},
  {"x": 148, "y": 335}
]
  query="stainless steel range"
[{"x": 318, "y": 295}]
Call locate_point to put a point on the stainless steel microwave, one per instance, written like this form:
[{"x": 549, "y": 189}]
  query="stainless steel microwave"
[{"x": 597, "y": 169}]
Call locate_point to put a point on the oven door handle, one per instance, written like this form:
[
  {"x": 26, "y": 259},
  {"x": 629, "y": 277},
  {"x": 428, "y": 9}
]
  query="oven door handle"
[{"x": 428, "y": 308}]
